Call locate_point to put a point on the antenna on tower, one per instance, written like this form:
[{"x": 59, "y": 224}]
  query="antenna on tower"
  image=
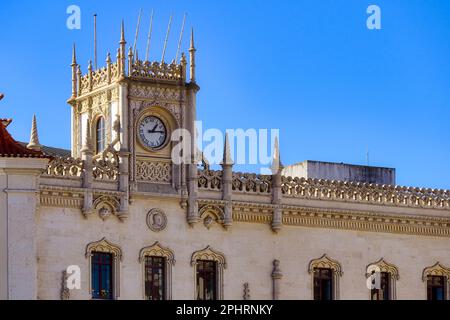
[
  {"x": 95, "y": 40},
  {"x": 181, "y": 38},
  {"x": 149, "y": 38},
  {"x": 367, "y": 156},
  {"x": 137, "y": 32},
  {"x": 167, "y": 38}
]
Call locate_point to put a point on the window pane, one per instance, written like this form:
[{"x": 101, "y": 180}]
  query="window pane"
[
  {"x": 102, "y": 283},
  {"x": 323, "y": 284},
  {"x": 206, "y": 280},
  {"x": 384, "y": 292},
  {"x": 101, "y": 135},
  {"x": 155, "y": 278},
  {"x": 436, "y": 288}
]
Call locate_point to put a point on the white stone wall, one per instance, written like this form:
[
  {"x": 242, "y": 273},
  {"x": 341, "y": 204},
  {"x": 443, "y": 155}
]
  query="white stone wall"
[{"x": 249, "y": 248}]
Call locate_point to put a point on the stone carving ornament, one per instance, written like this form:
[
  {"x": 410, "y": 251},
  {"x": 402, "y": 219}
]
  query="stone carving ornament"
[{"x": 156, "y": 220}]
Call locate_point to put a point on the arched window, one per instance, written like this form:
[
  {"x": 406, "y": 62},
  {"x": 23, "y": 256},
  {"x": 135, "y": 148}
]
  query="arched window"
[
  {"x": 325, "y": 275},
  {"x": 100, "y": 135},
  {"x": 104, "y": 263},
  {"x": 157, "y": 272},
  {"x": 437, "y": 278},
  {"x": 383, "y": 277},
  {"x": 208, "y": 269}
]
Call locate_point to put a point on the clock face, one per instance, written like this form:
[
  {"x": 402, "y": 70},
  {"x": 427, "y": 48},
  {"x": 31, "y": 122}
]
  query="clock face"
[{"x": 152, "y": 132}]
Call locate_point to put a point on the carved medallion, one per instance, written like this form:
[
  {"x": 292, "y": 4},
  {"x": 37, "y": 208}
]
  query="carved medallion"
[{"x": 156, "y": 220}]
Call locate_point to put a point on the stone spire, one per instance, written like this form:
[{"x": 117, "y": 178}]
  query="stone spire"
[
  {"x": 87, "y": 143},
  {"x": 192, "y": 51},
  {"x": 34, "y": 138},
  {"x": 277, "y": 166},
  {"x": 74, "y": 72},
  {"x": 122, "y": 50},
  {"x": 227, "y": 152}
]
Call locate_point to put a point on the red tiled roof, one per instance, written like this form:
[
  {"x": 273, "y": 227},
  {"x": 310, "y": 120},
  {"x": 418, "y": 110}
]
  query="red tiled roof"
[{"x": 10, "y": 148}]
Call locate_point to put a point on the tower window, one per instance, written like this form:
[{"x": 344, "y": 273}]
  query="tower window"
[
  {"x": 100, "y": 135},
  {"x": 436, "y": 288},
  {"x": 206, "y": 280},
  {"x": 323, "y": 284},
  {"x": 155, "y": 276},
  {"x": 102, "y": 276}
]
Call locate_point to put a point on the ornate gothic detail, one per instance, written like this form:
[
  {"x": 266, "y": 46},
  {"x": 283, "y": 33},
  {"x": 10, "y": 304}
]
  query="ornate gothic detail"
[
  {"x": 106, "y": 166},
  {"x": 277, "y": 275},
  {"x": 156, "y": 220},
  {"x": 106, "y": 206},
  {"x": 211, "y": 180},
  {"x": 157, "y": 71},
  {"x": 385, "y": 267},
  {"x": 246, "y": 295},
  {"x": 250, "y": 182},
  {"x": 326, "y": 263},
  {"x": 211, "y": 214},
  {"x": 209, "y": 254},
  {"x": 365, "y": 193},
  {"x": 156, "y": 172},
  {"x": 436, "y": 270},
  {"x": 156, "y": 250},
  {"x": 65, "y": 167},
  {"x": 99, "y": 78},
  {"x": 65, "y": 292},
  {"x": 104, "y": 246}
]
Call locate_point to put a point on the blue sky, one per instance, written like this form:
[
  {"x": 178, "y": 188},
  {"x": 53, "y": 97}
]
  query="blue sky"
[{"x": 310, "y": 68}]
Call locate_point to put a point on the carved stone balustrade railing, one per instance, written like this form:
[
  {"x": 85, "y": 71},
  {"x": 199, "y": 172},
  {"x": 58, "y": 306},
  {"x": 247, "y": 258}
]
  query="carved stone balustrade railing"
[
  {"x": 98, "y": 78},
  {"x": 250, "y": 182},
  {"x": 210, "y": 180},
  {"x": 65, "y": 167},
  {"x": 365, "y": 193},
  {"x": 156, "y": 70},
  {"x": 106, "y": 167}
]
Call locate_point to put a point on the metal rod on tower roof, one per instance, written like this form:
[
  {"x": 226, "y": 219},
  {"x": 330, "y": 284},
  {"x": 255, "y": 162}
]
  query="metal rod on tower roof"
[
  {"x": 137, "y": 32},
  {"x": 95, "y": 40},
  {"x": 181, "y": 38},
  {"x": 149, "y": 38},
  {"x": 167, "y": 38}
]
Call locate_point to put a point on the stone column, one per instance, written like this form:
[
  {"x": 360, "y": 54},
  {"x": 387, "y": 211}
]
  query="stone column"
[
  {"x": 88, "y": 178},
  {"x": 192, "y": 167},
  {"x": 19, "y": 200},
  {"x": 276, "y": 280},
  {"x": 227, "y": 184},
  {"x": 277, "y": 195}
]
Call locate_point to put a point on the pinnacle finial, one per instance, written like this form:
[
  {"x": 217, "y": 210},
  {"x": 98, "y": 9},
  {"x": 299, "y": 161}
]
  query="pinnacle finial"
[
  {"x": 277, "y": 166},
  {"x": 34, "y": 138},
  {"x": 90, "y": 66},
  {"x": 192, "y": 46},
  {"x": 108, "y": 58},
  {"x": 227, "y": 160},
  {"x": 122, "y": 33},
  {"x": 87, "y": 143},
  {"x": 74, "y": 56}
]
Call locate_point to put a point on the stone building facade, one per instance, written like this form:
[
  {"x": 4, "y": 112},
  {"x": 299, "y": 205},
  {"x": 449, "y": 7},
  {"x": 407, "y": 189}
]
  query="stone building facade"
[{"x": 139, "y": 226}]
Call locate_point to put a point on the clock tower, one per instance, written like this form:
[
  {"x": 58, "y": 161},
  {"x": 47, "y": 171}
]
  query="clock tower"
[{"x": 125, "y": 114}]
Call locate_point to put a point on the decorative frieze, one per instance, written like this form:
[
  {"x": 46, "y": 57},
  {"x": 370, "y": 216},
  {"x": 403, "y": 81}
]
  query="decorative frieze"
[
  {"x": 210, "y": 180},
  {"x": 156, "y": 71},
  {"x": 250, "y": 182},
  {"x": 153, "y": 171},
  {"x": 65, "y": 167},
  {"x": 61, "y": 197},
  {"x": 365, "y": 193}
]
